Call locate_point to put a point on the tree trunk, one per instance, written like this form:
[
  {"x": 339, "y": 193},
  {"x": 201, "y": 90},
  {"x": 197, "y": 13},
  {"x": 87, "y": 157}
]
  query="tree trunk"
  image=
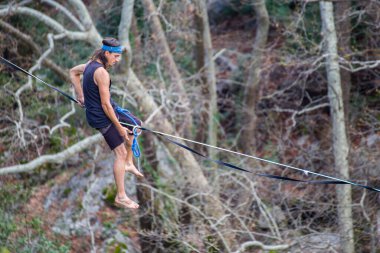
[
  {"x": 137, "y": 58},
  {"x": 207, "y": 71},
  {"x": 343, "y": 26},
  {"x": 200, "y": 61},
  {"x": 148, "y": 210},
  {"x": 340, "y": 144},
  {"x": 247, "y": 139},
  {"x": 124, "y": 27},
  {"x": 378, "y": 227}
]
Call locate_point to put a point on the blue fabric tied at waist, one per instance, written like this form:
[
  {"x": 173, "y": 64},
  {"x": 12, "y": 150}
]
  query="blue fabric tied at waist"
[{"x": 135, "y": 145}]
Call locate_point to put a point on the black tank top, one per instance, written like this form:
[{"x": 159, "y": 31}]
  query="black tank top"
[{"x": 95, "y": 115}]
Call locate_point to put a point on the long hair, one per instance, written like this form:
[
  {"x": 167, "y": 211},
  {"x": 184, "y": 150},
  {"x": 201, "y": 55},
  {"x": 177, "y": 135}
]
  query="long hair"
[{"x": 100, "y": 54}]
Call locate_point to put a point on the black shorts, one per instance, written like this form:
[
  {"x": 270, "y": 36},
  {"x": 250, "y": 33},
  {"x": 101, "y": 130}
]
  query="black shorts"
[{"x": 110, "y": 133}]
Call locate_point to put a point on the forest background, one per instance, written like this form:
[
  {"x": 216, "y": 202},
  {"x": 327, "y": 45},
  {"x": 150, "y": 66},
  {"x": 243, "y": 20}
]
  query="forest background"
[{"x": 291, "y": 81}]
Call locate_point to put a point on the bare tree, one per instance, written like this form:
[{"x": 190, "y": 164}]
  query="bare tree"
[
  {"x": 343, "y": 25},
  {"x": 207, "y": 71},
  {"x": 251, "y": 95},
  {"x": 340, "y": 143},
  {"x": 124, "y": 27}
]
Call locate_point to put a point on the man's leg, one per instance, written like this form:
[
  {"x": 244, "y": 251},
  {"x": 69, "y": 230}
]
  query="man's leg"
[
  {"x": 129, "y": 166},
  {"x": 118, "y": 171}
]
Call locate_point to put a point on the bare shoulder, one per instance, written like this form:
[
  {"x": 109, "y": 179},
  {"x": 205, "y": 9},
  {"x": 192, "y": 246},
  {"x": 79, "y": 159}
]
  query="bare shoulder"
[
  {"x": 79, "y": 69},
  {"x": 101, "y": 73},
  {"x": 101, "y": 77}
]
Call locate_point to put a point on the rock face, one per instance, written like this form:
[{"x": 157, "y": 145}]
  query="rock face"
[
  {"x": 319, "y": 243},
  {"x": 81, "y": 210}
]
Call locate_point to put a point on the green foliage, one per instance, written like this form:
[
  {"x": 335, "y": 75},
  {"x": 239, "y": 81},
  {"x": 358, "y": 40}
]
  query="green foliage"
[
  {"x": 116, "y": 247},
  {"x": 312, "y": 24},
  {"x": 139, "y": 14},
  {"x": 52, "y": 247},
  {"x": 7, "y": 226},
  {"x": 37, "y": 240},
  {"x": 302, "y": 35},
  {"x": 278, "y": 10},
  {"x": 184, "y": 56},
  {"x": 109, "y": 225},
  {"x": 55, "y": 144},
  {"x": 40, "y": 244},
  {"x": 212, "y": 244},
  {"x": 363, "y": 28},
  {"x": 33, "y": 26},
  {"x": 36, "y": 224},
  {"x": 150, "y": 69},
  {"x": 109, "y": 194},
  {"x": 76, "y": 52},
  {"x": 121, "y": 247},
  {"x": 67, "y": 192},
  {"x": 270, "y": 151},
  {"x": 4, "y": 250},
  {"x": 5, "y": 80},
  {"x": 13, "y": 195}
]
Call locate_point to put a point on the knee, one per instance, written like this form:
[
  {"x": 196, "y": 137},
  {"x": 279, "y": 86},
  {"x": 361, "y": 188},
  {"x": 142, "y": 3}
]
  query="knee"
[
  {"x": 128, "y": 144},
  {"x": 121, "y": 153}
]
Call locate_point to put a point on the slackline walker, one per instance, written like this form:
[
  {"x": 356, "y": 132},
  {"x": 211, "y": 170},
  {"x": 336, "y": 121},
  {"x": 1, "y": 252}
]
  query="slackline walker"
[{"x": 170, "y": 138}]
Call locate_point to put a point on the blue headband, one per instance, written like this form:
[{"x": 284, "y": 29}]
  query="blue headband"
[{"x": 118, "y": 49}]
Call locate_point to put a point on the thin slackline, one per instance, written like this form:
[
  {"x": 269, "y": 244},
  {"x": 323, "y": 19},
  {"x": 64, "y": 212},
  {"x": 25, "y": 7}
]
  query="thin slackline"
[
  {"x": 39, "y": 79},
  {"x": 256, "y": 158}
]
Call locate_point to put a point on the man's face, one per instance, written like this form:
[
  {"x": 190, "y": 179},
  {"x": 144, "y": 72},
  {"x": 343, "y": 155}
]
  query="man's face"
[{"x": 112, "y": 58}]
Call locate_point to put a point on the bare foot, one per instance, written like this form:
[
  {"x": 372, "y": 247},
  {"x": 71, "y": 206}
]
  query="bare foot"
[
  {"x": 125, "y": 202},
  {"x": 131, "y": 168}
]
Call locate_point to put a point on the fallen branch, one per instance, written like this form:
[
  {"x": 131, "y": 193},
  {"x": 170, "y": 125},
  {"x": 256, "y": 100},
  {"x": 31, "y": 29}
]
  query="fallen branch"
[
  {"x": 249, "y": 244},
  {"x": 56, "y": 158}
]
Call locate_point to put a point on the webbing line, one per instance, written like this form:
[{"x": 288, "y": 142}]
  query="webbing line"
[
  {"x": 39, "y": 79},
  {"x": 333, "y": 180}
]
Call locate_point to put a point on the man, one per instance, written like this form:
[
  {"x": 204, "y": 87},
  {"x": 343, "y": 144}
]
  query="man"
[{"x": 101, "y": 112}]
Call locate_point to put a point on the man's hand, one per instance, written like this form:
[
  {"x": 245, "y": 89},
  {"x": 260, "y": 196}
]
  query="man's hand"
[
  {"x": 80, "y": 100},
  {"x": 124, "y": 132}
]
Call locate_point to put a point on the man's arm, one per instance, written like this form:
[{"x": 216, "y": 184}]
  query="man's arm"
[
  {"x": 102, "y": 79},
  {"x": 75, "y": 74}
]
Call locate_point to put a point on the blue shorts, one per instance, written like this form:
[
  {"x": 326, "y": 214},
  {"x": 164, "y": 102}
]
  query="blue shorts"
[{"x": 110, "y": 133}]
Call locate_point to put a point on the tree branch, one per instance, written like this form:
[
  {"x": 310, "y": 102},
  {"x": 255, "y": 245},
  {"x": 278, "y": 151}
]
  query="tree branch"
[
  {"x": 56, "y": 158},
  {"x": 28, "y": 40},
  {"x": 93, "y": 35},
  {"x": 249, "y": 244},
  {"x": 65, "y": 11},
  {"x": 124, "y": 26},
  {"x": 46, "y": 20},
  {"x": 82, "y": 12}
]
